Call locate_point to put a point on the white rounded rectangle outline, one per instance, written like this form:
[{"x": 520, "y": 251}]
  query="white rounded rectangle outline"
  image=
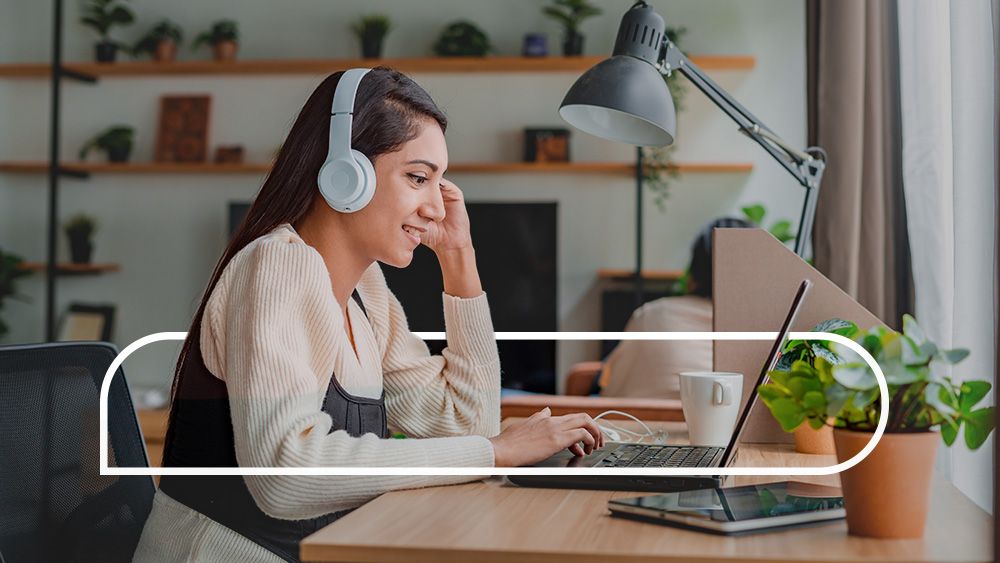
[{"x": 491, "y": 471}]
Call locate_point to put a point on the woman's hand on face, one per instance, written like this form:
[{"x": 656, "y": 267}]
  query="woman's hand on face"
[
  {"x": 536, "y": 438},
  {"x": 452, "y": 232}
]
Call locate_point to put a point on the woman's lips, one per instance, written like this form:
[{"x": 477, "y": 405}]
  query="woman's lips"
[{"x": 412, "y": 234}]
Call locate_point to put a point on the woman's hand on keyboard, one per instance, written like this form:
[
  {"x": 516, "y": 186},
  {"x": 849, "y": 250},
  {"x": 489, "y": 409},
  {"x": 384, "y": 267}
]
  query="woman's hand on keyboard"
[{"x": 539, "y": 436}]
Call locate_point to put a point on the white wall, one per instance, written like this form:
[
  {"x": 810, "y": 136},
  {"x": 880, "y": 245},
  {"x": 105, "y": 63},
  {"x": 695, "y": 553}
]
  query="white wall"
[{"x": 167, "y": 231}]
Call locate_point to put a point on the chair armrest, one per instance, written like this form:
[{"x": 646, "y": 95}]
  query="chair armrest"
[
  {"x": 659, "y": 410},
  {"x": 581, "y": 377}
]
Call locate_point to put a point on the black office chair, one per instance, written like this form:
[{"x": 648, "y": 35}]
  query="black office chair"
[{"x": 54, "y": 504}]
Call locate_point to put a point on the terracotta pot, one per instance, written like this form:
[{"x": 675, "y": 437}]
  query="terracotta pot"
[
  {"x": 810, "y": 441},
  {"x": 225, "y": 50},
  {"x": 166, "y": 51},
  {"x": 886, "y": 494}
]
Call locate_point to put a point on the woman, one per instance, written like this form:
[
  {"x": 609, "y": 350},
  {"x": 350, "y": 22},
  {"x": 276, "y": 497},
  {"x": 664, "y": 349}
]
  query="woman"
[
  {"x": 650, "y": 368},
  {"x": 299, "y": 355}
]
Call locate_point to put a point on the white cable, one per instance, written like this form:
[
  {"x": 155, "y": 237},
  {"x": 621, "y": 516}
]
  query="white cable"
[{"x": 615, "y": 428}]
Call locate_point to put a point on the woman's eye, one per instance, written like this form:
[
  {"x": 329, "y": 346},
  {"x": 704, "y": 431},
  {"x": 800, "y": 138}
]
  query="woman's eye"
[{"x": 419, "y": 180}]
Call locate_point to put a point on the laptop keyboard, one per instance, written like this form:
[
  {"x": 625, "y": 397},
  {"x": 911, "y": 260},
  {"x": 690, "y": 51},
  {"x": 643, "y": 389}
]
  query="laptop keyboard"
[{"x": 639, "y": 455}]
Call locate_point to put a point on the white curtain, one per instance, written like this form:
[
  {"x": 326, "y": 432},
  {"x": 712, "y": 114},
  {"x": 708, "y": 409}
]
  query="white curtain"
[{"x": 947, "y": 82}]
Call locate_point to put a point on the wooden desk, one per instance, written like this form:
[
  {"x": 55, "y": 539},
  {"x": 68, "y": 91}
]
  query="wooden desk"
[{"x": 493, "y": 522}]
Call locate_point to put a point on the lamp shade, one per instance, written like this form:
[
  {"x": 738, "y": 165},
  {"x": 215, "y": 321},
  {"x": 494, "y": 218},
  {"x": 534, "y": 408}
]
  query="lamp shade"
[{"x": 624, "y": 98}]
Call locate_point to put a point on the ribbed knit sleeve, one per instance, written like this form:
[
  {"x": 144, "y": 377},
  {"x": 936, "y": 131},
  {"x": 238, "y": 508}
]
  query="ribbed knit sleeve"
[
  {"x": 272, "y": 331},
  {"x": 454, "y": 394}
]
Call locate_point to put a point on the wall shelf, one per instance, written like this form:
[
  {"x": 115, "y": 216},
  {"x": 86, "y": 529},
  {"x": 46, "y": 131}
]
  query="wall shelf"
[
  {"x": 70, "y": 269},
  {"x": 625, "y": 274},
  {"x": 325, "y": 66},
  {"x": 616, "y": 168}
]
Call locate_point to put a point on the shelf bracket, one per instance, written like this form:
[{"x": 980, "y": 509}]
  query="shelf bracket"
[
  {"x": 78, "y": 76},
  {"x": 74, "y": 173}
]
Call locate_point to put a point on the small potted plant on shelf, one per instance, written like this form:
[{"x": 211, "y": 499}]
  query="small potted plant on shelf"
[
  {"x": 885, "y": 494},
  {"x": 161, "y": 42},
  {"x": 79, "y": 229},
  {"x": 10, "y": 271},
  {"x": 115, "y": 141},
  {"x": 571, "y": 13},
  {"x": 224, "y": 38},
  {"x": 371, "y": 31},
  {"x": 101, "y": 16},
  {"x": 462, "y": 39}
]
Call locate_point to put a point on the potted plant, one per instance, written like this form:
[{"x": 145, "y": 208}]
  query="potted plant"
[
  {"x": 101, "y": 16},
  {"x": 571, "y": 13},
  {"x": 462, "y": 39},
  {"x": 115, "y": 141},
  {"x": 371, "y": 31},
  {"x": 10, "y": 271},
  {"x": 79, "y": 229},
  {"x": 224, "y": 38},
  {"x": 816, "y": 435},
  {"x": 886, "y": 493},
  {"x": 161, "y": 42}
]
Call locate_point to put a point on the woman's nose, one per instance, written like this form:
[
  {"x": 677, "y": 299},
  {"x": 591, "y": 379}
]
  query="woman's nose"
[{"x": 433, "y": 206}]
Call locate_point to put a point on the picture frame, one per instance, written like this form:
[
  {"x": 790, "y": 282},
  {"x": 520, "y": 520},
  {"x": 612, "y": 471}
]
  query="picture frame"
[
  {"x": 549, "y": 144},
  {"x": 84, "y": 321},
  {"x": 182, "y": 134}
]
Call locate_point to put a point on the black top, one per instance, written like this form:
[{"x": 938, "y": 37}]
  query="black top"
[{"x": 201, "y": 435}]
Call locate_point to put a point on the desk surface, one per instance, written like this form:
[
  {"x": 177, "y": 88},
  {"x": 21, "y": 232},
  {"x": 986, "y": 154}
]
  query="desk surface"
[{"x": 493, "y": 521}]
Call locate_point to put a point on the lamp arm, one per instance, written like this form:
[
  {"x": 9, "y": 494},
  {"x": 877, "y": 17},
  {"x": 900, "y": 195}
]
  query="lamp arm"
[{"x": 806, "y": 166}]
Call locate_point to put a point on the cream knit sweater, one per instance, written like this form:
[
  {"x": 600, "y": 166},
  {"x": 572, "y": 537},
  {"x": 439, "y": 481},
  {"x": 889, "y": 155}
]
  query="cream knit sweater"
[{"x": 274, "y": 332}]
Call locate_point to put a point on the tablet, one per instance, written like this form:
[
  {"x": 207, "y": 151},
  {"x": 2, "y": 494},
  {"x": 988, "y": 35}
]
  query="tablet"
[{"x": 737, "y": 510}]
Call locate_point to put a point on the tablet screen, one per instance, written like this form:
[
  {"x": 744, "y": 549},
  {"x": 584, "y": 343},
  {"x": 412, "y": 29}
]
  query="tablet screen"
[{"x": 739, "y": 504}]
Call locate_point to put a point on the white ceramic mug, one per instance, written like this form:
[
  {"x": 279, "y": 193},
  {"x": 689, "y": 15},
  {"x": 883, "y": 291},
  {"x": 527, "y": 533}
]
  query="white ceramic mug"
[{"x": 711, "y": 402}]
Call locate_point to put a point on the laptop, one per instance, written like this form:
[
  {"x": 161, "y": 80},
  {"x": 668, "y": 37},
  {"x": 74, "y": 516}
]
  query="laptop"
[{"x": 617, "y": 454}]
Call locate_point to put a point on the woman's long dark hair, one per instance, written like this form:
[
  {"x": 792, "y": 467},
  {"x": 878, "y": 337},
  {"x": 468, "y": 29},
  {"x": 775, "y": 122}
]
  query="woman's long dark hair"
[{"x": 388, "y": 110}]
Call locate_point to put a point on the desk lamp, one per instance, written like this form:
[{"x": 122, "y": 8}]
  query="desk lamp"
[{"x": 624, "y": 98}]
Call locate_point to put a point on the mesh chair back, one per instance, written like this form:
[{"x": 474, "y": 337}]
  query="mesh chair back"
[{"x": 54, "y": 504}]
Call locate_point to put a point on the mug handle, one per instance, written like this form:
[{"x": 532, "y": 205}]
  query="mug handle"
[{"x": 722, "y": 393}]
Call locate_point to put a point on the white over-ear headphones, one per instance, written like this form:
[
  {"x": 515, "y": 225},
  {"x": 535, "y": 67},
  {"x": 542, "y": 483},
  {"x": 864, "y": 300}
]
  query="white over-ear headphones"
[{"x": 347, "y": 178}]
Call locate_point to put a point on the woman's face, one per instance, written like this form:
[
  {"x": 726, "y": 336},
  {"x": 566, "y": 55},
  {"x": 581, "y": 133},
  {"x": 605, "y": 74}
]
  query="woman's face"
[{"x": 407, "y": 198}]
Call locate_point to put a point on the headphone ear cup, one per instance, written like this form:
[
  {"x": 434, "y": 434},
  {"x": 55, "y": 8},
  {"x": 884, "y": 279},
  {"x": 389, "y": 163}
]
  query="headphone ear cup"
[
  {"x": 367, "y": 181},
  {"x": 339, "y": 182}
]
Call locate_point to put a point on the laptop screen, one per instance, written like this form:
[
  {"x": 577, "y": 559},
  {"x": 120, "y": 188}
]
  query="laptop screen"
[{"x": 772, "y": 360}]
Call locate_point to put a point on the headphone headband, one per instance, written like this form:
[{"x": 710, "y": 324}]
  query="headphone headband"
[{"x": 342, "y": 112}]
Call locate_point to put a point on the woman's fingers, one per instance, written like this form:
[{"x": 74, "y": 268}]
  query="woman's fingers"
[
  {"x": 583, "y": 421},
  {"x": 576, "y": 450},
  {"x": 584, "y": 436}
]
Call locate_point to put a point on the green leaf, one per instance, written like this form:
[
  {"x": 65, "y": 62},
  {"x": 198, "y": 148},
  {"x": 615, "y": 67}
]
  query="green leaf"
[
  {"x": 781, "y": 230},
  {"x": 836, "y": 397},
  {"x": 949, "y": 431},
  {"x": 780, "y": 377},
  {"x": 912, "y": 353},
  {"x": 865, "y": 398},
  {"x": 755, "y": 213},
  {"x": 816, "y": 423},
  {"x": 898, "y": 374},
  {"x": 814, "y": 401},
  {"x": 978, "y": 425},
  {"x": 854, "y": 376},
  {"x": 770, "y": 392},
  {"x": 799, "y": 386},
  {"x": 836, "y": 326},
  {"x": 952, "y": 356},
  {"x": 785, "y": 362},
  {"x": 913, "y": 330},
  {"x": 872, "y": 343},
  {"x": 970, "y": 393},
  {"x": 947, "y": 396},
  {"x": 788, "y": 413},
  {"x": 827, "y": 355}
]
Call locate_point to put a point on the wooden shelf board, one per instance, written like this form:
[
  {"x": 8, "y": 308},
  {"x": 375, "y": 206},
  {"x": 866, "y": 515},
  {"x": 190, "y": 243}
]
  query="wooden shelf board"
[
  {"x": 69, "y": 268},
  {"x": 326, "y": 66},
  {"x": 625, "y": 273},
  {"x": 622, "y": 168}
]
